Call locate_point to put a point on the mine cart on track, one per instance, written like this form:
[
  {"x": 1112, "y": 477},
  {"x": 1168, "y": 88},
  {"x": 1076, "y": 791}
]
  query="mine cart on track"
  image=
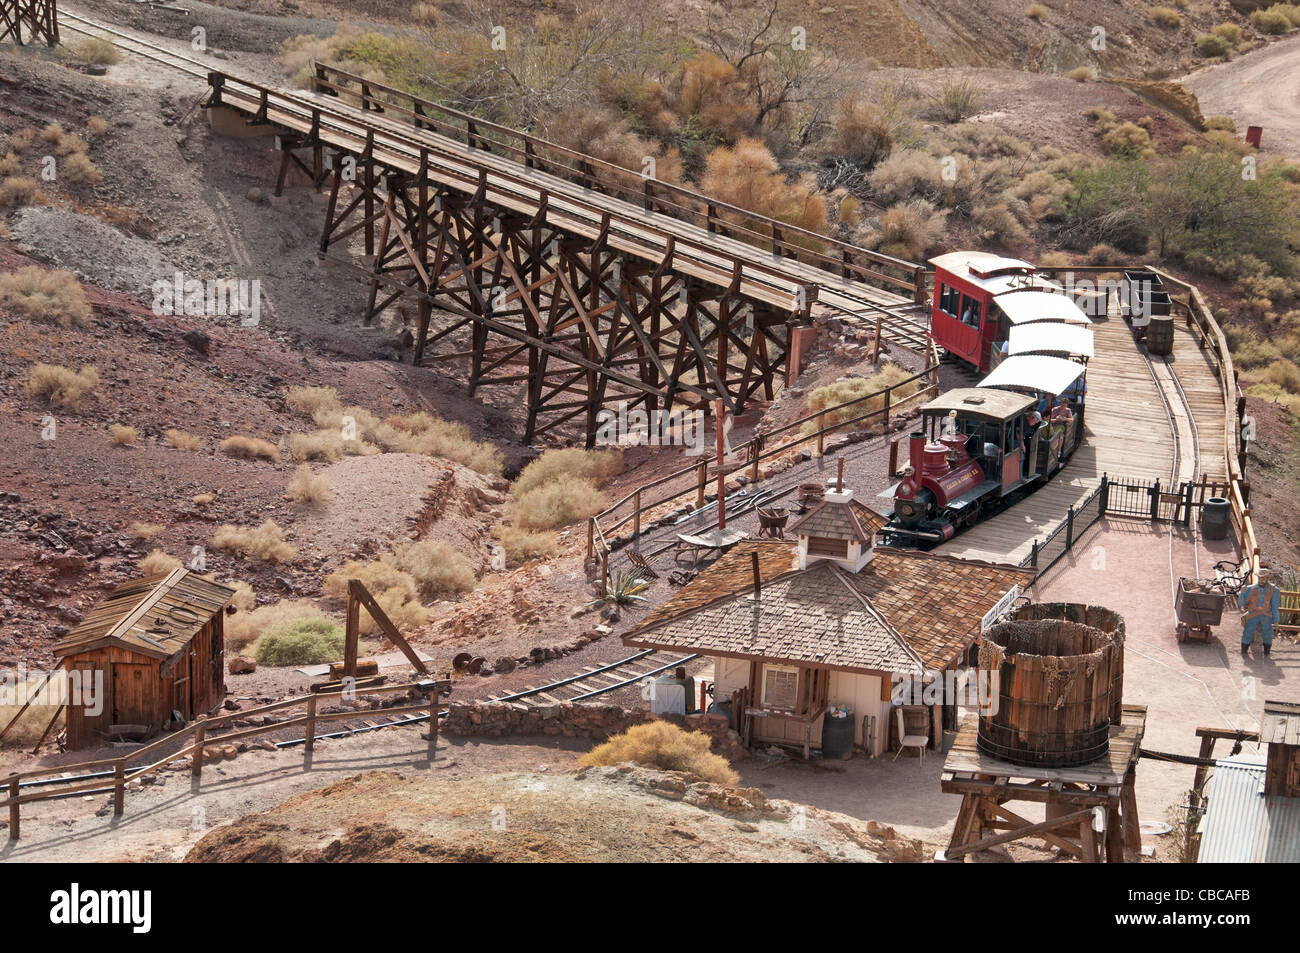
[{"x": 1198, "y": 608}]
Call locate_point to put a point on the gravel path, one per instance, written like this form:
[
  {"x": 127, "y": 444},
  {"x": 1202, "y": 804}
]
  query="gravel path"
[{"x": 1261, "y": 88}]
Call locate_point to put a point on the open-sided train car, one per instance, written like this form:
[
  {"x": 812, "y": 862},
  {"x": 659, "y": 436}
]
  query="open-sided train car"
[{"x": 980, "y": 448}]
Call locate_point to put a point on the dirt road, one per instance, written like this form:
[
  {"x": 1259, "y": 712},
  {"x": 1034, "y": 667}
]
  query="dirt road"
[{"x": 1261, "y": 88}]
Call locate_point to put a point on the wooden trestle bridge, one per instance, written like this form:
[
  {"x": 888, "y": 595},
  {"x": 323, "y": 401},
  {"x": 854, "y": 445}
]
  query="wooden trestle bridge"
[{"x": 583, "y": 281}]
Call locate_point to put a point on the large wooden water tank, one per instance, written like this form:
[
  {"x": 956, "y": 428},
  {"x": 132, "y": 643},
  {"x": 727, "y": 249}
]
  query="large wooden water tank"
[
  {"x": 1057, "y": 684},
  {"x": 1096, "y": 617}
]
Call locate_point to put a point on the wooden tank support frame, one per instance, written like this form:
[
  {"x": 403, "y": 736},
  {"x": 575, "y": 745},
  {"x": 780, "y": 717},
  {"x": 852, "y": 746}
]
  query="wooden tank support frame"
[
  {"x": 574, "y": 322},
  {"x": 40, "y": 17},
  {"x": 1074, "y": 798}
]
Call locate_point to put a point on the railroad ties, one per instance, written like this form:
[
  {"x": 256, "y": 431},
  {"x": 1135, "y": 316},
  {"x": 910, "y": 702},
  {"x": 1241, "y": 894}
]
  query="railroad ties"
[{"x": 596, "y": 680}]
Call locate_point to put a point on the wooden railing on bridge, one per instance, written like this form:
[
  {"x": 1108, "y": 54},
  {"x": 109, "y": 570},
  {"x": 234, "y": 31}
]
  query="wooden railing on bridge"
[
  {"x": 655, "y": 195},
  {"x": 200, "y": 731}
]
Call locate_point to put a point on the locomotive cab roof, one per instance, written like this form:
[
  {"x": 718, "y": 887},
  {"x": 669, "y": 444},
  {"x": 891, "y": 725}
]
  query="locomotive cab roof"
[{"x": 987, "y": 403}]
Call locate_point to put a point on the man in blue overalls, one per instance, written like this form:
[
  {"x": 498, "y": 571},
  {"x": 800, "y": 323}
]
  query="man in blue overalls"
[{"x": 1261, "y": 604}]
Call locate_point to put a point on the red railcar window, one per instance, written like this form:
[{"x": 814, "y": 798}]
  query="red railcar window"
[
  {"x": 970, "y": 311},
  {"x": 949, "y": 300}
]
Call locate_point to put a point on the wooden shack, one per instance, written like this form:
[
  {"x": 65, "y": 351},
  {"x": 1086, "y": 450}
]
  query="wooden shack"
[
  {"x": 156, "y": 646},
  {"x": 1280, "y": 731}
]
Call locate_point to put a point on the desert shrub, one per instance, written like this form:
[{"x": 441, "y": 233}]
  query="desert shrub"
[
  {"x": 301, "y": 642},
  {"x": 158, "y": 562},
  {"x": 320, "y": 445},
  {"x": 1289, "y": 10},
  {"x": 1284, "y": 374},
  {"x": 51, "y": 297},
  {"x": 1054, "y": 259},
  {"x": 747, "y": 175},
  {"x": 20, "y": 190},
  {"x": 306, "y": 487},
  {"x": 143, "y": 530},
  {"x": 841, "y": 392},
  {"x": 1224, "y": 123},
  {"x": 265, "y": 542},
  {"x": 245, "y": 626},
  {"x": 250, "y": 448},
  {"x": 182, "y": 440},
  {"x": 79, "y": 170},
  {"x": 1164, "y": 16},
  {"x": 1210, "y": 44},
  {"x": 96, "y": 126},
  {"x": 556, "y": 504},
  {"x": 1103, "y": 254},
  {"x": 1126, "y": 139},
  {"x": 61, "y": 386},
  {"x": 861, "y": 131},
  {"x": 1228, "y": 31},
  {"x": 11, "y": 165},
  {"x": 997, "y": 222},
  {"x": 450, "y": 440},
  {"x": 1081, "y": 74},
  {"x": 658, "y": 744},
  {"x": 94, "y": 49},
  {"x": 956, "y": 101},
  {"x": 911, "y": 173},
  {"x": 906, "y": 229},
  {"x": 310, "y": 400},
  {"x": 63, "y": 142},
  {"x": 439, "y": 570},
  {"x": 522, "y": 545},
  {"x": 596, "y": 467},
  {"x": 1272, "y": 21},
  {"x": 395, "y": 591},
  {"x": 43, "y": 695},
  {"x": 1037, "y": 12},
  {"x": 202, "y": 499},
  {"x": 849, "y": 212},
  {"x": 123, "y": 435}
]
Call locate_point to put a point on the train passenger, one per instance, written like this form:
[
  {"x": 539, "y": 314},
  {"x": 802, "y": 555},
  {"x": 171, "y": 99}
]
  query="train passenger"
[{"x": 1062, "y": 411}]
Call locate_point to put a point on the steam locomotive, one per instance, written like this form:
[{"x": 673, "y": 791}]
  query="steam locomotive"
[{"x": 982, "y": 448}]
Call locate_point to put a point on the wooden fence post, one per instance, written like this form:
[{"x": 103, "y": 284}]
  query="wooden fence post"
[
  {"x": 591, "y": 537},
  {"x": 1155, "y": 501},
  {"x": 14, "y": 806},
  {"x": 1105, "y": 495},
  {"x": 755, "y": 449},
  {"x": 702, "y": 479},
  {"x": 433, "y": 722},
  {"x": 821, "y": 434},
  {"x": 636, "y": 514},
  {"x": 1069, "y": 528},
  {"x": 875, "y": 353},
  {"x": 888, "y": 391},
  {"x": 309, "y": 745},
  {"x": 119, "y": 788},
  {"x": 196, "y": 761}
]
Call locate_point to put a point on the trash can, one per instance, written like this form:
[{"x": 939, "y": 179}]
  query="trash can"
[
  {"x": 837, "y": 733},
  {"x": 1216, "y": 518}
]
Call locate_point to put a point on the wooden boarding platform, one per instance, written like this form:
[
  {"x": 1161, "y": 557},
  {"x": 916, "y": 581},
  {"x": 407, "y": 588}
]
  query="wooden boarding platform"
[
  {"x": 1076, "y": 797},
  {"x": 1123, "y": 402},
  {"x": 1196, "y": 374}
]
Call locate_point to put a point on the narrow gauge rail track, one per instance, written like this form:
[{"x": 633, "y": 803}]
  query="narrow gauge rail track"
[{"x": 130, "y": 43}]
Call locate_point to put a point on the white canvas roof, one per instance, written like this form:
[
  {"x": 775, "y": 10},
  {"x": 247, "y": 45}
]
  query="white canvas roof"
[
  {"x": 1050, "y": 375},
  {"x": 993, "y": 273},
  {"x": 1052, "y": 337},
  {"x": 1022, "y": 307}
]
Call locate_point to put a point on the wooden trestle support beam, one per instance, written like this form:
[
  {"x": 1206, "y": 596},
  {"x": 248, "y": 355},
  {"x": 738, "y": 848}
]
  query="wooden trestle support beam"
[
  {"x": 578, "y": 324},
  {"x": 1090, "y": 810},
  {"x": 40, "y": 17}
]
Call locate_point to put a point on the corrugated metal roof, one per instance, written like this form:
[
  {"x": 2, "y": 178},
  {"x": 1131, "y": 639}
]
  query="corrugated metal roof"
[
  {"x": 980, "y": 402},
  {"x": 1241, "y": 825},
  {"x": 155, "y": 615}
]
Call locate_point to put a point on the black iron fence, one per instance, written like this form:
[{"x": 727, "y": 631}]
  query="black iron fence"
[{"x": 1122, "y": 496}]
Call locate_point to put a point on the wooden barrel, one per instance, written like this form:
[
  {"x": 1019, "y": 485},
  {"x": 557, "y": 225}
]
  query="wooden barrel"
[
  {"x": 1053, "y": 683},
  {"x": 1160, "y": 335},
  {"x": 1096, "y": 617}
]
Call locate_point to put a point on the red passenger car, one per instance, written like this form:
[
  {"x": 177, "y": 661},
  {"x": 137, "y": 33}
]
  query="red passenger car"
[{"x": 966, "y": 319}]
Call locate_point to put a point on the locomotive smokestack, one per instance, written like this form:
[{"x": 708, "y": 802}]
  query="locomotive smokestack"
[{"x": 916, "y": 449}]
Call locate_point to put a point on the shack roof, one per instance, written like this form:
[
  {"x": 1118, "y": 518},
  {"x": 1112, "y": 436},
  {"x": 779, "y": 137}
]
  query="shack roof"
[
  {"x": 155, "y": 616},
  {"x": 993, "y": 273},
  {"x": 935, "y": 603},
  {"x": 1243, "y": 825},
  {"x": 980, "y": 402},
  {"x": 1281, "y": 723}
]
